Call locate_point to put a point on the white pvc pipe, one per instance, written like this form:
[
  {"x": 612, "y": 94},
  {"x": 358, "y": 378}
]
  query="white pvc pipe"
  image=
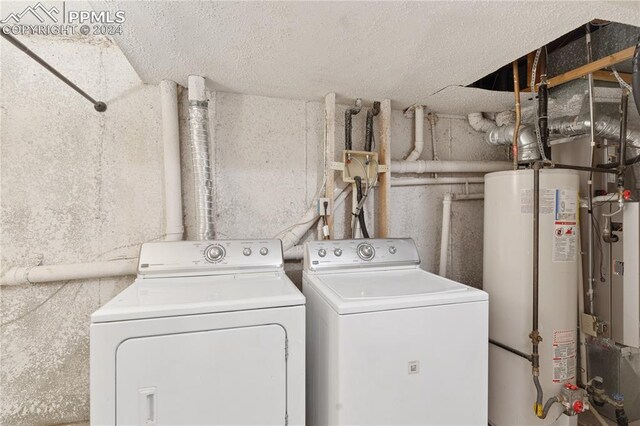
[
  {"x": 446, "y": 225},
  {"x": 444, "y": 237},
  {"x": 436, "y": 181},
  {"x": 173, "y": 225},
  {"x": 66, "y": 272},
  {"x": 419, "y": 137},
  {"x": 294, "y": 253},
  {"x": 479, "y": 123},
  {"x": 293, "y": 235},
  {"x": 430, "y": 166}
]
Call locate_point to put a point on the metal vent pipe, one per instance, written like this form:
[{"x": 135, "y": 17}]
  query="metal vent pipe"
[{"x": 199, "y": 131}]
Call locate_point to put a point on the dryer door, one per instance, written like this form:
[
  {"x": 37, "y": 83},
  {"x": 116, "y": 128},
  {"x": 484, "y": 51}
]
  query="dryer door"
[{"x": 218, "y": 377}]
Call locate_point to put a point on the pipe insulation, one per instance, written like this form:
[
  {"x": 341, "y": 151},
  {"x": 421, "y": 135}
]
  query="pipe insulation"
[
  {"x": 173, "y": 225},
  {"x": 452, "y": 166},
  {"x": 203, "y": 182},
  {"x": 419, "y": 134}
]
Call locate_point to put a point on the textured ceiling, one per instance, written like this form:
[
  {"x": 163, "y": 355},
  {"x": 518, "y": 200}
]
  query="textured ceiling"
[{"x": 410, "y": 52}]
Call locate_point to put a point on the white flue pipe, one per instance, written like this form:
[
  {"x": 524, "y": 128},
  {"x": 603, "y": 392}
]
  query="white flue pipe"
[
  {"x": 430, "y": 166},
  {"x": 446, "y": 225},
  {"x": 419, "y": 136},
  {"x": 436, "y": 181},
  {"x": 479, "y": 123},
  {"x": 173, "y": 225},
  {"x": 66, "y": 272}
]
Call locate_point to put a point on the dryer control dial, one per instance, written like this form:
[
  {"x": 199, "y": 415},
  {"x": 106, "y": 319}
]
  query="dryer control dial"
[
  {"x": 214, "y": 253},
  {"x": 366, "y": 251}
]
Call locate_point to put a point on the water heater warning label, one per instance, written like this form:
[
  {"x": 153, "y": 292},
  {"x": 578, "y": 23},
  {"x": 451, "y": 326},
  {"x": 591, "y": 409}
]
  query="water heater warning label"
[
  {"x": 565, "y": 238},
  {"x": 564, "y": 356},
  {"x": 547, "y": 199}
]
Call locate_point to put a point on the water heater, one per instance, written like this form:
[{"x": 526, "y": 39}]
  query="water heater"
[{"x": 508, "y": 260}]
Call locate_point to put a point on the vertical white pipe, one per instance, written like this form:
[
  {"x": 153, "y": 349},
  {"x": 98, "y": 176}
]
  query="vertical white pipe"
[
  {"x": 173, "y": 225},
  {"x": 419, "y": 137},
  {"x": 444, "y": 238}
]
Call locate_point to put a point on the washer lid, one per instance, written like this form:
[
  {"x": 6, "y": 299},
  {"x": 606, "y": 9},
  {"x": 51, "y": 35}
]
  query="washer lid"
[
  {"x": 357, "y": 292},
  {"x": 164, "y": 297}
]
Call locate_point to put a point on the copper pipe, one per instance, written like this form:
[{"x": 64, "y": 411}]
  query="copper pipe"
[{"x": 516, "y": 131}]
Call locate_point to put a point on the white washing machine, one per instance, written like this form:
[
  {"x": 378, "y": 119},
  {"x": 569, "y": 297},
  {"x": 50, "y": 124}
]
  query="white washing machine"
[
  {"x": 210, "y": 333},
  {"x": 389, "y": 343}
]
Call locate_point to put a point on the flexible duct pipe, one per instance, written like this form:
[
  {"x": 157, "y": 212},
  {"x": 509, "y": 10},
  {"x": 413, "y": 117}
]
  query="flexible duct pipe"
[
  {"x": 66, "y": 272},
  {"x": 429, "y": 166},
  {"x": 173, "y": 226},
  {"x": 606, "y": 127},
  {"x": 199, "y": 131},
  {"x": 419, "y": 137},
  {"x": 446, "y": 226},
  {"x": 436, "y": 181}
]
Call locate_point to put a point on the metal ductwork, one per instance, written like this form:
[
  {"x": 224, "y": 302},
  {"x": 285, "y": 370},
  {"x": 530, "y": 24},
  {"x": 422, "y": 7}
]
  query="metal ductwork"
[
  {"x": 527, "y": 143},
  {"x": 606, "y": 127},
  {"x": 199, "y": 131}
]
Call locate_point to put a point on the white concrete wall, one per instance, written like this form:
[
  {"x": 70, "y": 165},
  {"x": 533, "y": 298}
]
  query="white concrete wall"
[
  {"x": 76, "y": 186},
  {"x": 82, "y": 186}
]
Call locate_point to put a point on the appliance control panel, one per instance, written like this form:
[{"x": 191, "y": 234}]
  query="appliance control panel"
[
  {"x": 188, "y": 258},
  {"x": 340, "y": 254}
]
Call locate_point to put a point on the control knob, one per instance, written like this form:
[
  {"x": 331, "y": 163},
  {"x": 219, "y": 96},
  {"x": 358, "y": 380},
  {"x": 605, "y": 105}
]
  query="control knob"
[
  {"x": 214, "y": 253},
  {"x": 365, "y": 251}
]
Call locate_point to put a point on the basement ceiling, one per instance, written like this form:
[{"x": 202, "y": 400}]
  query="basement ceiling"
[{"x": 409, "y": 52}]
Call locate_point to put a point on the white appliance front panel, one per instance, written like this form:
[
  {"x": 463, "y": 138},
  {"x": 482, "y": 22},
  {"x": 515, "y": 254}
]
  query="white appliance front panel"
[
  {"x": 232, "y": 376},
  {"x": 415, "y": 366},
  {"x": 424, "y": 366}
]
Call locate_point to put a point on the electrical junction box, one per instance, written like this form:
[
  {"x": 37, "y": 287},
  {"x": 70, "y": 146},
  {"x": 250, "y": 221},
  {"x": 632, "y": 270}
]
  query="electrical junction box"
[{"x": 360, "y": 163}]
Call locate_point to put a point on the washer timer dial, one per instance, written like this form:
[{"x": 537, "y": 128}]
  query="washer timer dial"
[
  {"x": 214, "y": 253},
  {"x": 366, "y": 251}
]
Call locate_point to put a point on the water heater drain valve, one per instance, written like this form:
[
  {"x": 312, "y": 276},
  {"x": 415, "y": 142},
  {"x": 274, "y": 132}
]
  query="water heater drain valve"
[{"x": 574, "y": 400}]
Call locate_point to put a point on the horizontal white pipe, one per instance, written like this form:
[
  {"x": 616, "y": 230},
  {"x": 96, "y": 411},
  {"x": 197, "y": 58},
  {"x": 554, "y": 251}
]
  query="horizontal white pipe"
[
  {"x": 419, "y": 136},
  {"x": 174, "y": 228},
  {"x": 92, "y": 270},
  {"x": 435, "y": 181},
  {"x": 72, "y": 271},
  {"x": 446, "y": 225},
  {"x": 430, "y": 166}
]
